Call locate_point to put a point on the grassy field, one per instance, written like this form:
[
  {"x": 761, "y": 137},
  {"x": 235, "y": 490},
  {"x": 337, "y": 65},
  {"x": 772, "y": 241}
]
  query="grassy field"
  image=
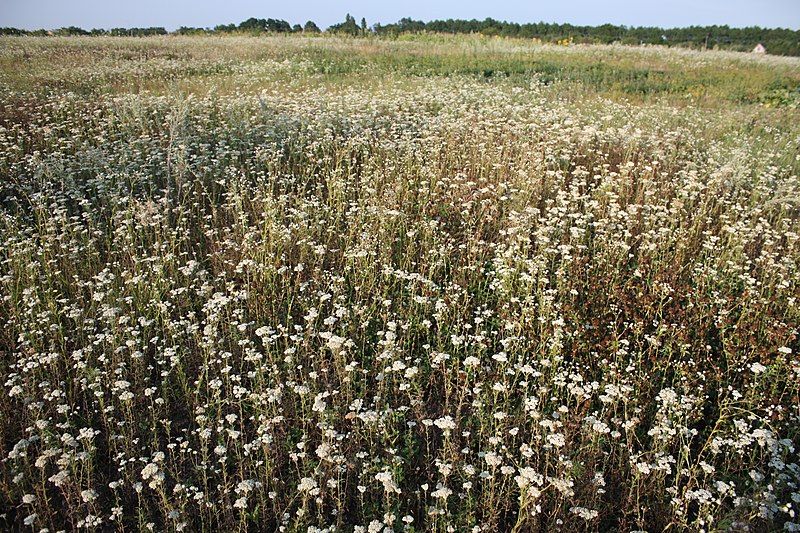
[{"x": 424, "y": 284}]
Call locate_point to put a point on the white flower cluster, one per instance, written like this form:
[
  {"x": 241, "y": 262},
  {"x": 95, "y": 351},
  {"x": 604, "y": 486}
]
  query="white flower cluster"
[{"x": 315, "y": 295}]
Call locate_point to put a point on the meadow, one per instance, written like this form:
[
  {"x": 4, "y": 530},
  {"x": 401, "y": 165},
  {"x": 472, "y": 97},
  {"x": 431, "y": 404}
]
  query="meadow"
[{"x": 431, "y": 283}]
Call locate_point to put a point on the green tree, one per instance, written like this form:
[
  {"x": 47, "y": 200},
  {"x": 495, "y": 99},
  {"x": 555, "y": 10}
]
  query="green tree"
[{"x": 348, "y": 27}]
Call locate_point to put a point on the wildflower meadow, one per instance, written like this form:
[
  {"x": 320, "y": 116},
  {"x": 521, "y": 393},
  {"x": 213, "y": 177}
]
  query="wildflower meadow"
[{"x": 426, "y": 283}]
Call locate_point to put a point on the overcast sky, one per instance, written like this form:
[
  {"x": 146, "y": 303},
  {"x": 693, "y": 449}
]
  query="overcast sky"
[{"x": 31, "y": 14}]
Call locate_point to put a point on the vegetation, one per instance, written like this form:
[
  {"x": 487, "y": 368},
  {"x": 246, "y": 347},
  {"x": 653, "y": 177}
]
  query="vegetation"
[
  {"x": 778, "y": 41},
  {"x": 429, "y": 283}
]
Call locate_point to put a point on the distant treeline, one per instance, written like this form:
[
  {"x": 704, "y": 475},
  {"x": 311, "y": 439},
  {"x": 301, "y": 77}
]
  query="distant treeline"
[
  {"x": 74, "y": 30},
  {"x": 777, "y": 41}
]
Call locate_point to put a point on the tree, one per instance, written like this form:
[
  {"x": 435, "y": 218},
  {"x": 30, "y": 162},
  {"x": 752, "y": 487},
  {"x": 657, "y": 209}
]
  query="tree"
[
  {"x": 71, "y": 30},
  {"x": 348, "y": 27},
  {"x": 310, "y": 27},
  {"x": 253, "y": 24},
  {"x": 12, "y": 31},
  {"x": 187, "y": 30},
  {"x": 363, "y": 26},
  {"x": 259, "y": 25},
  {"x": 278, "y": 26}
]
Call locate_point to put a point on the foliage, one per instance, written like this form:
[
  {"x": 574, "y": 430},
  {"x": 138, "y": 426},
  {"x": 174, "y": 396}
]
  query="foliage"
[
  {"x": 348, "y": 27},
  {"x": 272, "y": 25},
  {"x": 439, "y": 283},
  {"x": 310, "y": 27},
  {"x": 777, "y": 41}
]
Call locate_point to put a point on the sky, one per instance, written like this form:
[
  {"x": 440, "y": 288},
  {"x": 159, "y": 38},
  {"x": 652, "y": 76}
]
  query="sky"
[{"x": 50, "y": 14}]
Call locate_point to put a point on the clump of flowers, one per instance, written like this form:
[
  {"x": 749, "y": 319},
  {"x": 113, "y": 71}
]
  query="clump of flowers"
[{"x": 283, "y": 299}]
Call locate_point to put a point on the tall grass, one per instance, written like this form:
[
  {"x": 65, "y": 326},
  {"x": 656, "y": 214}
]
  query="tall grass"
[{"x": 328, "y": 284}]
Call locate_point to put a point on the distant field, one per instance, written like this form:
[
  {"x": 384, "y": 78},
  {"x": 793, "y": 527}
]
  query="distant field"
[
  {"x": 423, "y": 284},
  {"x": 103, "y": 65}
]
